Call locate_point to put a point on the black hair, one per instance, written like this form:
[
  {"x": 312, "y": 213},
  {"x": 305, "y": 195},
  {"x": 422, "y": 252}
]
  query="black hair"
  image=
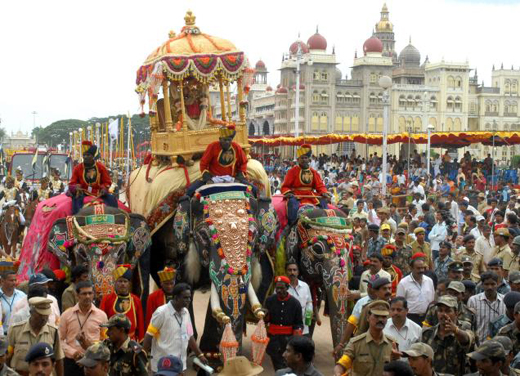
[
  {"x": 304, "y": 346},
  {"x": 83, "y": 285},
  {"x": 398, "y": 368},
  {"x": 398, "y": 299},
  {"x": 425, "y": 207},
  {"x": 180, "y": 288},
  {"x": 512, "y": 218},
  {"x": 291, "y": 263},
  {"x": 8, "y": 273},
  {"x": 377, "y": 256},
  {"x": 36, "y": 291},
  {"x": 489, "y": 275},
  {"x": 467, "y": 238},
  {"x": 77, "y": 271}
]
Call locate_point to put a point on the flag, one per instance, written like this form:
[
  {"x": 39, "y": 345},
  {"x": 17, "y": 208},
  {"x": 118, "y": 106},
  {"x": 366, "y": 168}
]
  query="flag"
[
  {"x": 113, "y": 129},
  {"x": 35, "y": 159}
]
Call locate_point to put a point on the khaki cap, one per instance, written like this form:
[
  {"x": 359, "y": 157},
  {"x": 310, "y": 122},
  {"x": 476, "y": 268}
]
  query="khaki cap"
[
  {"x": 448, "y": 301},
  {"x": 419, "y": 349},
  {"x": 502, "y": 232},
  {"x": 419, "y": 230},
  {"x": 379, "y": 307},
  {"x": 457, "y": 286},
  {"x": 41, "y": 305}
]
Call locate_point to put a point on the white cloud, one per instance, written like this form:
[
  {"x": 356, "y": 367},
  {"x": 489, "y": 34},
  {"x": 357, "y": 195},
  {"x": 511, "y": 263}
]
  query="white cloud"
[{"x": 66, "y": 59}]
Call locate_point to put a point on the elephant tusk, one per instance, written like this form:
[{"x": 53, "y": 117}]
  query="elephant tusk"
[
  {"x": 253, "y": 300},
  {"x": 216, "y": 310}
]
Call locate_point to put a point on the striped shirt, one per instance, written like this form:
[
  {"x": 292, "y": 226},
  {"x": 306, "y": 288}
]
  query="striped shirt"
[{"x": 486, "y": 312}]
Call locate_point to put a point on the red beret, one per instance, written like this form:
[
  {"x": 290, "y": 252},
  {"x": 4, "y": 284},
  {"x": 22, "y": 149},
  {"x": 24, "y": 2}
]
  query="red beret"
[
  {"x": 60, "y": 274},
  {"x": 419, "y": 255},
  {"x": 282, "y": 278},
  {"x": 366, "y": 263}
]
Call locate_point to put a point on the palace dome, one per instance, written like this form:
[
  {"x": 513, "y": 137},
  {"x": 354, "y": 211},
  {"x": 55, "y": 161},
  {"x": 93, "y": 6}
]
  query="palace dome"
[
  {"x": 373, "y": 44},
  {"x": 410, "y": 56},
  {"x": 294, "y": 47},
  {"x": 317, "y": 42}
]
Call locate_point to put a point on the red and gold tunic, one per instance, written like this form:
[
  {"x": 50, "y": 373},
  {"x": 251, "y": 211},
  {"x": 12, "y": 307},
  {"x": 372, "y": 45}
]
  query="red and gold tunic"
[
  {"x": 219, "y": 162},
  {"x": 130, "y": 306},
  {"x": 305, "y": 183},
  {"x": 102, "y": 178},
  {"x": 396, "y": 275},
  {"x": 155, "y": 300}
]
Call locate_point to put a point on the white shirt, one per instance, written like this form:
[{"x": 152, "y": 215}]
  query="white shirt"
[
  {"x": 171, "y": 333},
  {"x": 454, "y": 211},
  {"x": 486, "y": 312},
  {"x": 367, "y": 275},
  {"x": 418, "y": 189},
  {"x": 485, "y": 247},
  {"x": 437, "y": 235},
  {"x": 409, "y": 334},
  {"x": 21, "y": 311},
  {"x": 302, "y": 292},
  {"x": 418, "y": 295}
]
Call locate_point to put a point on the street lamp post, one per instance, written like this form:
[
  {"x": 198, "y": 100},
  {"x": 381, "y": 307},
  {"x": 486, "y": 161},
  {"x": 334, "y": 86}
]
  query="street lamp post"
[
  {"x": 493, "y": 156},
  {"x": 430, "y": 128},
  {"x": 386, "y": 83},
  {"x": 80, "y": 132}
]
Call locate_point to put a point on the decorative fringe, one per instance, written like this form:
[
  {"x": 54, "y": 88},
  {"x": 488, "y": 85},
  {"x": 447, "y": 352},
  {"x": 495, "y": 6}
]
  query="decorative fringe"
[{"x": 281, "y": 256}]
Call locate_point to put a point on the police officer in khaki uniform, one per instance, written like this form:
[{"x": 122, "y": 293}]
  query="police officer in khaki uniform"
[
  {"x": 367, "y": 353},
  {"x": 27, "y": 333}
]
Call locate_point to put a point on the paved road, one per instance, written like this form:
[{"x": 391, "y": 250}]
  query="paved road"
[{"x": 322, "y": 338}]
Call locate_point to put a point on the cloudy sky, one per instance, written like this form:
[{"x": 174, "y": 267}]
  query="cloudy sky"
[{"x": 71, "y": 59}]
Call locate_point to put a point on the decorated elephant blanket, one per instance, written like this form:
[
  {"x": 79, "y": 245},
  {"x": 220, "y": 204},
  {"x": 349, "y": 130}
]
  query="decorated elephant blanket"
[
  {"x": 155, "y": 190},
  {"x": 34, "y": 255}
]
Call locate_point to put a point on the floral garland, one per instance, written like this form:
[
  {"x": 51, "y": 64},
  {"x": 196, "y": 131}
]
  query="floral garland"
[
  {"x": 216, "y": 239},
  {"x": 332, "y": 246}
]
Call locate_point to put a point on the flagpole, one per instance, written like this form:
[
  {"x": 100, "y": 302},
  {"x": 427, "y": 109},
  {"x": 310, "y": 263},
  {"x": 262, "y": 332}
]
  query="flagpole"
[{"x": 128, "y": 146}]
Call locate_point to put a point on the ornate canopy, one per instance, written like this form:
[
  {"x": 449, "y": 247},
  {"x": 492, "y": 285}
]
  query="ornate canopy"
[{"x": 194, "y": 53}]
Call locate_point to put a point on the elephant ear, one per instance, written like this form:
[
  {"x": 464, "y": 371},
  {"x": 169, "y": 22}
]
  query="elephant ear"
[
  {"x": 267, "y": 225},
  {"x": 59, "y": 242},
  {"x": 181, "y": 226}
]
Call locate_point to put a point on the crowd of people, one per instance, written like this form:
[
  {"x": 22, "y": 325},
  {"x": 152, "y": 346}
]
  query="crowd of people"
[{"x": 436, "y": 265}]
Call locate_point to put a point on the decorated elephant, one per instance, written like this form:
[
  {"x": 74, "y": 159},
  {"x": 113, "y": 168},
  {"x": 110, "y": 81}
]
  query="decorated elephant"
[
  {"x": 102, "y": 237},
  {"x": 228, "y": 232},
  {"x": 319, "y": 243}
]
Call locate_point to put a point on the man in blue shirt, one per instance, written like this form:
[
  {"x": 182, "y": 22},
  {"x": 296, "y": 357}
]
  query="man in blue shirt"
[{"x": 9, "y": 296}]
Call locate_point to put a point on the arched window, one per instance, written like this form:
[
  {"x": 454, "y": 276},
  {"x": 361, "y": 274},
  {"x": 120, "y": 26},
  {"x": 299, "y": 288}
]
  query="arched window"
[
  {"x": 433, "y": 121},
  {"x": 338, "y": 125},
  {"x": 450, "y": 102},
  {"x": 251, "y": 129},
  {"x": 457, "y": 125},
  {"x": 324, "y": 76},
  {"x": 417, "y": 125},
  {"x": 410, "y": 101},
  {"x": 402, "y": 101},
  {"x": 324, "y": 121},
  {"x": 356, "y": 98},
  {"x": 373, "y": 78},
  {"x": 340, "y": 97},
  {"x": 348, "y": 97},
  {"x": 433, "y": 102},
  {"x": 514, "y": 108},
  {"x": 402, "y": 124},
  {"x": 514, "y": 87},
  {"x": 458, "y": 103},
  {"x": 506, "y": 107},
  {"x": 315, "y": 96},
  {"x": 380, "y": 98},
  {"x": 324, "y": 97},
  {"x": 379, "y": 124},
  {"x": 266, "y": 128},
  {"x": 355, "y": 123},
  {"x": 316, "y": 75},
  {"x": 495, "y": 107},
  {"x": 458, "y": 82},
  {"x": 449, "y": 125},
  {"x": 371, "y": 123},
  {"x": 451, "y": 82},
  {"x": 488, "y": 106},
  {"x": 372, "y": 98},
  {"x": 507, "y": 87},
  {"x": 315, "y": 121},
  {"x": 418, "y": 101}
]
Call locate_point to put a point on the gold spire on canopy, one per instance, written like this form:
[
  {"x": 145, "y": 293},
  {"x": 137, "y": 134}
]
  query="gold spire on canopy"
[
  {"x": 189, "y": 18},
  {"x": 384, "y": 25}
]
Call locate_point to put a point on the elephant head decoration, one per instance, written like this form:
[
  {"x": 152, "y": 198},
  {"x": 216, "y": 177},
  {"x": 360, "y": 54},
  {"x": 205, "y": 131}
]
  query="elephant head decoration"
[
  {"x": 231, "y": 231},
  {"x": 102, "y": 237},
  {"x": 320, "y": 244}
]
